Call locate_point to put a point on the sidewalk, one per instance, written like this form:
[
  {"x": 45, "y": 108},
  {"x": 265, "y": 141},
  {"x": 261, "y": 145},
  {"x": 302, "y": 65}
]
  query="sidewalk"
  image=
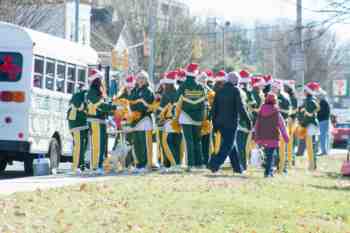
[{"x": 44, "y": 182}]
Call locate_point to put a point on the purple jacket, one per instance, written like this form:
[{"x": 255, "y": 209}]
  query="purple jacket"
[{"x": 267, "y": 111}]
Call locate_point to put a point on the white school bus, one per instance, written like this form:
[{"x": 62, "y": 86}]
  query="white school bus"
[{"x": 38, "y": 74}]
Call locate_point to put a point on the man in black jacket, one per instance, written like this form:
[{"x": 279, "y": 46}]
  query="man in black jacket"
[
  {"x": 227, "y": 109},
  {"x": 324, "y": 120}
]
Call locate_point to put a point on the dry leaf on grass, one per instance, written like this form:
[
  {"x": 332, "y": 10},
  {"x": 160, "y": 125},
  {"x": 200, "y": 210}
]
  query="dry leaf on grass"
[
  {"x": 18, "y": 213},
  {"x": 83, "y": 187}
]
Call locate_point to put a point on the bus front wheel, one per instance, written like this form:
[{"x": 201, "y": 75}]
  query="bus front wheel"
[
  {"x": 54, "y": 153},
  {"x": 3, "y": 164}
]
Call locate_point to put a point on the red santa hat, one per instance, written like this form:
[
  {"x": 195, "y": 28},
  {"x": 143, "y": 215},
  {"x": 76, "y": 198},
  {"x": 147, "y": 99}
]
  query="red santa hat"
[
  {"x": 95, "y": 74},
  {"x": 192, "y": 70},
  {"x": 170, "y": 77},
  {"x": 210, "y": 74},
  {"x": 130, "y": 81},
  {"x": 244, "y": 77},
  {"x": 268, "y": 79},
  {"x": 181, "y": 74},
  {"x": 220, "y": 76},
  {"x": 258, "y": 81},
  {"x": 313, "y": 88}
]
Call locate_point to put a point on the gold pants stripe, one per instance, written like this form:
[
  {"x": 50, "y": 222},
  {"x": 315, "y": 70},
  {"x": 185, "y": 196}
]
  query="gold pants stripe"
[
  {"x": 95, "y": 132},
  {"x": 149, "y": 147},
  {"x": 76, "y": 149},
  {"x": 167, "y": 150},
  {"x": 282, "y": 154},
  {"x": 291, "y": 133}
]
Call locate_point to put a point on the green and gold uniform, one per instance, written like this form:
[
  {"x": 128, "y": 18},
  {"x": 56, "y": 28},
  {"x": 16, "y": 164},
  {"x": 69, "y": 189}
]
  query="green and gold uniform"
[
  {"x": 190, "y": 115},
  {"x": 141, "y": 121},
  {"x": 292, "y": 127},
  {"x": 97, "y": 113},
  {"x": 207, "y": 127},
  {"x": 79, "y": 128},
  {"x": 310, "y": 122},
  {"x": 285, "y": 110},
  {"x": 244, "y": 131},
  {"x": 258, "y": 96},
  {"x": 171, "y": 134},
  {"x": 123, "y": 101}
]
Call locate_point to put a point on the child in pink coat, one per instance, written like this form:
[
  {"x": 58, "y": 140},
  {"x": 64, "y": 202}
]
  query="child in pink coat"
[{"x": 268, "y": 127}]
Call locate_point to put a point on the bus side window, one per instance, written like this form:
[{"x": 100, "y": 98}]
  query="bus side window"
[
  {"x": 50, "y": 74},
  {"x": 61, "y": 77},
  {"x": 38, "y": 73},
  {"x": 71, "y": 79}
]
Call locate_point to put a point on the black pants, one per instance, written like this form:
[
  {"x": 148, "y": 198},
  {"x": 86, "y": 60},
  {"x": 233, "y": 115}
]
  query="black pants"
[
  {"x": 227, "y": 148},
  {"x": 269, "y": 160}
]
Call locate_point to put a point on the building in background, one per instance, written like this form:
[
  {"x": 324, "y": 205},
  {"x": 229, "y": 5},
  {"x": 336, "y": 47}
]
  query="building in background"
[{"x": 53, "y": 17}]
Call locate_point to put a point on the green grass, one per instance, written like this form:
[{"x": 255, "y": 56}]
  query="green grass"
[{"x": 300, "y": 202}]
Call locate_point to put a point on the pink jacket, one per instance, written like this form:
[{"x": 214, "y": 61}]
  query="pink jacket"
[{"x": 268, "y": 110}]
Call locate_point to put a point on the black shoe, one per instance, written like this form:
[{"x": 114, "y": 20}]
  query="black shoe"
[{"x": 212, "y": 169}]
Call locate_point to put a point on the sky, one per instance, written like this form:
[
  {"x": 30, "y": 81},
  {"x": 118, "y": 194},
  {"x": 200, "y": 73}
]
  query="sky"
[{"x": 248, "y": 11}]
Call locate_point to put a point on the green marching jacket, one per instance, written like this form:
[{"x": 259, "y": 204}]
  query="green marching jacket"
[
  {"x": 167, "y": 105},
  {"x": 309, "y": 112},
  {"x": 248, "y": 103},
  {"x": 77, "y": 112},
  {"x": 294, "y": 106},
  {"x": 97, "y": 109},
  {"x": 192, "y": 100},
  {"x": 140, "y": 100},
  {"x": 258, "y": 97},
  {"x": 284, "y": 105}
]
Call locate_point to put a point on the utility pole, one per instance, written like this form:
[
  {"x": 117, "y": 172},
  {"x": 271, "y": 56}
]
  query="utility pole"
[
  {"x": 152, "y": 35},
  {"x": 300, "y": 57},
  {"x": 77, "y": 5}
]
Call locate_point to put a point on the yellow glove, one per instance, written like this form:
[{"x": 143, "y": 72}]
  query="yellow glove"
[
  {"x": 176, "y": 126},
  {"x": 154, "y": 106},
  {"x": 122, "y": 102},
  {"x": 206, "y": 127},
  {"x": 211, "y": 96}
]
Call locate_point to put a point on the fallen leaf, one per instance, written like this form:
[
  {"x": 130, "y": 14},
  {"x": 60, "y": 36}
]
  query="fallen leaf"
[
  {"x": 83, "y": 187},
  {"x": 19, "y": 213}
]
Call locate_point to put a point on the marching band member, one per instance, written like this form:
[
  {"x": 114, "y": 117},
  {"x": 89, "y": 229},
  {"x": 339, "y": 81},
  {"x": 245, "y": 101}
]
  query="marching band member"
[
  {"x": 258, "y": 83},
  {"x": 123, "y": 112},
  {"x": 160, "y": 124},
  {"x": 97, "y": 113},
  {"x": 244, "y": 131},
  {"x": 310, "y": 122},
  {"x": 190, "y": 114},
  {"x": 290, "y": 90},
  {"x": 285, "y": 109},
  {"x": 79, "y": 129},
  {"x": 268, "y": 84},
  {"x": 206, "y": 125},
  {"x": 171, "y": 133},
  {"x": 141, "y": 121}
]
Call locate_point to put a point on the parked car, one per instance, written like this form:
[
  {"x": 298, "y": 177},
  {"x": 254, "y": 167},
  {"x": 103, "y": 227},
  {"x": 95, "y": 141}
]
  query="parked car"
[{"x": 341, "y": 134}]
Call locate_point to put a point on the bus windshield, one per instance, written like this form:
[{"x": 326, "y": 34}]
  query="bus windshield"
[{"x": 10, "y": 66}]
